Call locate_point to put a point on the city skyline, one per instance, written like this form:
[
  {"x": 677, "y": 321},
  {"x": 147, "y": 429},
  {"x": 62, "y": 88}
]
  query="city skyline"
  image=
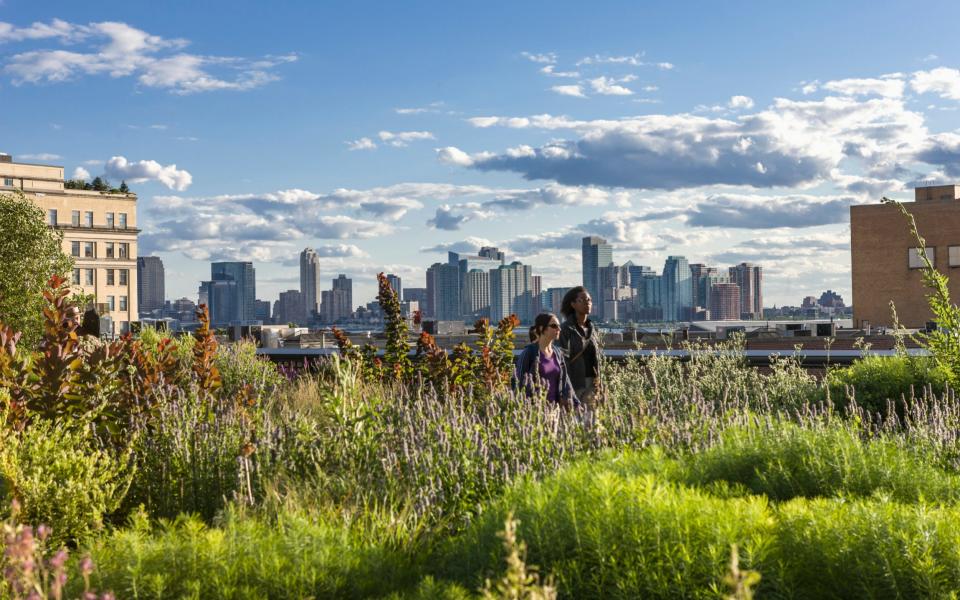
[{"x": 662, "y": 146}]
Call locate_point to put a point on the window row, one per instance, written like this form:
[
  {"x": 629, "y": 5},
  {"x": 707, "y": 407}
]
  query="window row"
[
  {"x": 112, "y": 221},
  {"x": 915, "y": 261},
  {"x": 114, "y": 276},
  {"x": 110, "y": 249}
]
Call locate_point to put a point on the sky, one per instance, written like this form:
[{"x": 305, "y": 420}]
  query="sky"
[{"x": 385, "y": 134}]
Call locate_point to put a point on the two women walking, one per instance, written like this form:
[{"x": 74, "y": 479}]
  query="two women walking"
[{"x": 563, "y": 358}]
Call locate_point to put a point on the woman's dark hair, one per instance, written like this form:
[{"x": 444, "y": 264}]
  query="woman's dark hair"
[
  {"x": 566, "y": 307},
  {"x": 540, "y": 324}
]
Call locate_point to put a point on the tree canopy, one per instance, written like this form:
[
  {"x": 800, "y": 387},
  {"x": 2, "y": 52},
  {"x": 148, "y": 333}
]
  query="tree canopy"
[{"x": 30, "y": 252}]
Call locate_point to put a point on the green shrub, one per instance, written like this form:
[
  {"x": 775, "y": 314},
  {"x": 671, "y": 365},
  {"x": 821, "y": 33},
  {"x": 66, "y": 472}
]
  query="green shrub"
[
  {"x": 873, "y": 381},
  {"x": 62, "y": 478},
  {"x": 244, "y": 374},
  {"x": 786, "y": 461}
]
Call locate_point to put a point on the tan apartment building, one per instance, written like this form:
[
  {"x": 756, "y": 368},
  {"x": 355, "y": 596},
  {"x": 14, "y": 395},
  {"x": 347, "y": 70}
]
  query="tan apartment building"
[
  {"x": 99, "y": 232},
  {"x": 886, "y": 265}
]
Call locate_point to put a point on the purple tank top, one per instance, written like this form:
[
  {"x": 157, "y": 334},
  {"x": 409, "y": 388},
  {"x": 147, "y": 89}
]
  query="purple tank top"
[{"x": 550, "y": 375}]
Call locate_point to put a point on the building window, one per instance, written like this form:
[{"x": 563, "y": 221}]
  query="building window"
[
  {"x": 109, "y": 276},
  {"x": 88, "y": 280},
  {"x": 123, "y": 276},
  {"x": 954, "y": 255},
  {"x": 110, "y": 303},
  {"x": 124, "y": 250},
  {"x": 123, "y": 303},
  {"x": 88, "y": 251},
  {"x": 74, "y": 248},
  {"x": 914, "y": 259},
  {"x": 75, "y": 218},
  {"x": 109, "y": 247},
  {"x": 88, "y": 218},
  {"x": 52, "y": 216},
  {"x": 123, "y": 220},
  {"x": 110, "y": 220},
  {"x": 76, "y": 277},
  {"x": 8, "y": 182}
]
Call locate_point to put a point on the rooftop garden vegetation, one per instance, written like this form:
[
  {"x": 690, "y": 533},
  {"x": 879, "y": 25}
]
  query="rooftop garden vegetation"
[{"x": 152, "y": 467}]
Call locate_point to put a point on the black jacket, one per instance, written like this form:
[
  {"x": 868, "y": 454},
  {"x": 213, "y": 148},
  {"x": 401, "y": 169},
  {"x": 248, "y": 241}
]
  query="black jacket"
[
  {"x": 580, "y": 349},
  {"x": 528, "y": 374}
]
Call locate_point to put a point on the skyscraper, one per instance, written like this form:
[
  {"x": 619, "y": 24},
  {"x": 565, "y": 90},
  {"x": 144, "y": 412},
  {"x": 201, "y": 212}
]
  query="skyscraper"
[
  {"x": 443, "y": 292},
  {"x": 337, "y": 303},
  {"x": 220, "y": 296},
  {"x": 677, "y": 289},
  {"x": 476, "y": 294},
  {"x": 750, "y": 279},
  {"x": 595, "y": 253},
  {"x": 395, "y": 284},
  {"x": 724, "y": 302},
  {"x": 244, "y": 275},
  {"x": 511, "y": 292},
  {"x": 150, "y": 284},
  {"x": 290, "y": 307},
  {"x": 468, "y": 262},
  {"x": 310, "y": 281}
]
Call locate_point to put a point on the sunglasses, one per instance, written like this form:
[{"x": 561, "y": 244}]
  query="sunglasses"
[{"x": 554, "y": 325}]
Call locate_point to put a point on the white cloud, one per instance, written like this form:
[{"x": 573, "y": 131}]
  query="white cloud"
[
  {"x": 740, "y": 102},
  {"x": 399, "y": 139},
  {"x": 433, "y": 107},
  {"x": 119, "y": 50},
  {"x": 363, "y": 143},
  {"x": 454, "y": 156},
  {"x": 118, "y": 167},
  {"x": 81, "y": 173},
  {"x": 942, "y": 81},
  {"x": 887, "y": 87},
  {"x": 40, "y": 156},
  {"x": 550, "y": 71},
  {"x": 542, "y": 58},
  {"x": 569, "y": 90},
  {"x": 608, "y": 87}
]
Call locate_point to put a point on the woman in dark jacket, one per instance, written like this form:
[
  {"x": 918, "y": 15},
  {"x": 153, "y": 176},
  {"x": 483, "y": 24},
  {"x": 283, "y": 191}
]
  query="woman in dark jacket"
[
  {"x": 578, "y": 342},
  {"x": 541, "y": 364}
]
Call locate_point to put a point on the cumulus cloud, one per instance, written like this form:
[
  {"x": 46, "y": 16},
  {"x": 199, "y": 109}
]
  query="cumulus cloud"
[
  {"x": 471, "y": 245},
  {"x": 117, "y": 50},
  {"x": 81, "y": 173},
  {"x": 942, "y": 81},
  {"x": 607, "y": 86},
  {"x": 761, "y": 212},
  {"x": 740, "y": 102},
  {"x": 791, "y": 143},
  {"x": 118, "y": 167},
  {"x": 452, "y": 217},
  {"x": 574, "y": 90},
  {"x": 550, "y": 71},
  {"x": 400, "y": 139},
  {"x": 891, "y": 87},
  {"x": 363, "y": 143},
  {"x": 542, "y": 58}
]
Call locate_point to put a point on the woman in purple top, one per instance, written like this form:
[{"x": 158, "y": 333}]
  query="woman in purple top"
[{"x": 541, "y": 365}]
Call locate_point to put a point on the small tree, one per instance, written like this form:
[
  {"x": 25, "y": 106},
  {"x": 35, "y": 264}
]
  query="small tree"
[
  {"x": 30, "y": 252},
  {"x": 100, "y": 184}
]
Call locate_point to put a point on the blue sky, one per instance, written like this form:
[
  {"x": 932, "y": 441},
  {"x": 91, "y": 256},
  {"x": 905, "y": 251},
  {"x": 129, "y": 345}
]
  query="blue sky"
[{"x": 385, "y": 133}]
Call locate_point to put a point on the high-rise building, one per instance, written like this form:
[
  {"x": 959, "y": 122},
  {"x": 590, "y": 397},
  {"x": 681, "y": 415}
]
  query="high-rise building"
[
  {"x": 310, "y": 281},
  {"x": 724, "y": 302},
  {"x": 150, "y": 284},
  {"x": 536, "y": 288},
  {"x": 553, "y": 300},
  {"x": 466, "y": 263},
  {"x": 443, "y": 292},
  {"x": 750, "y": 279},
  {"x": 705, "y": 286},
  {"x": 677, "y": 290},
  {"x": 395, "y": 284},
  {"x": 99, "y": 232},
  {"x": 649, "y": 298},
  {"x": 595, "y": 253},
  {"x": 511, "y": 292},
  {"x": 418, "y": 295},
  {"x": 697, "y": 272},
  {"x": 337, "y": 303},
  {"x": 261, "y": 309},
  {"x": 290, "y": 307},
  {"x": 476, "y": 294},
  {"x": 637, "y": 272},
  {"x": 183, "y": 309},
  {"x": 244, "y": 275},
  {"x": 492, "y": 252},
  {"x": 221, "y": 297}
]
